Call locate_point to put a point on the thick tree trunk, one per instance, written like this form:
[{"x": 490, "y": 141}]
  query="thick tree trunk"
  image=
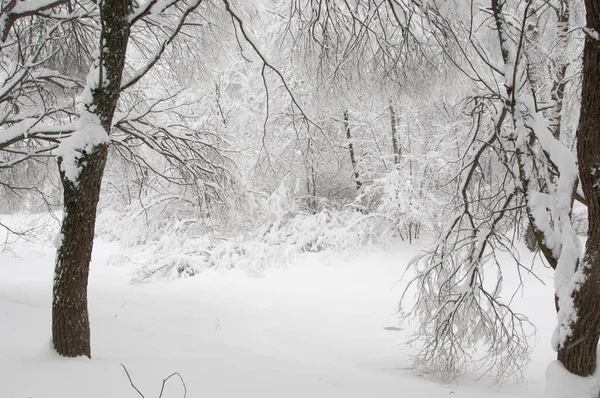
[
  {"x": 578, "y": 353},
  {"x": 70, "y": 324}
]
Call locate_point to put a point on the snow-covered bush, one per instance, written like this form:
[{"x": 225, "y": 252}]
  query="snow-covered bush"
[
  {"x": 147, "y": 221},
  {"x": 402, "y": 204},
  {"x": 168, "y": 238},
  {"x": 169, "y": 235}
]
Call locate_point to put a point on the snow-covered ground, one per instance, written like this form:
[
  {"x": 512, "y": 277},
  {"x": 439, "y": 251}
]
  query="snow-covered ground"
[{"x": 322, "y": 327}]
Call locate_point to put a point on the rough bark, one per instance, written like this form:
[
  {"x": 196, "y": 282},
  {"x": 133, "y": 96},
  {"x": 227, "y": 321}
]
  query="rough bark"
[
  {"x": 70, "y": 321},
  {"x": 578, "y": 353},
  {"x": 530, "y": 238},
  {"x": 497, "y": 6}
]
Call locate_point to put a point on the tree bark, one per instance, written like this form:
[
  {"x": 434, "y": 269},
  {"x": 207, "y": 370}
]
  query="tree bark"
[
  {"x": 559, "y": 67},
  {"x": 530, "y": 238},
  {"x": 70, "y": 320},
  {"x": 558, "y": 70},
  {"x": 394, "y": 125},
  {"x": 578, "y": 353},
  {"x": 311, "y": 177},
  {"x": 351, "y": 150}
]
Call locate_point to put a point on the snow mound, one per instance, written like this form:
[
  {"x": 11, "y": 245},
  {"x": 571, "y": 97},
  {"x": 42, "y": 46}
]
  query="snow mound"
[{"x": 560, "y": 383}]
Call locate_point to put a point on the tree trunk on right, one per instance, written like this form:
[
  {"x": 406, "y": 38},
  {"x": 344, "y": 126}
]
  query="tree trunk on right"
[{"x": 578, "y": 352}]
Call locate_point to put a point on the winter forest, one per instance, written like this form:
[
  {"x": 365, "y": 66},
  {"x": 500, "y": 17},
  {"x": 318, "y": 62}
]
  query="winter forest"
[{"x": 299, "y": 198}]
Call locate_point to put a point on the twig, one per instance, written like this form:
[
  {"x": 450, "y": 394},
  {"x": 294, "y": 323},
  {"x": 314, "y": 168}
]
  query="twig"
[
  {"x": 162, "y": 387},
  {"x": 182, "y": 382},
  {"x": 131, "y": 381}
]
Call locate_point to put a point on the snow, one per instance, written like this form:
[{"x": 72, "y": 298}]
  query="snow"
[
  {"x": 552, "y": 212},
  {"x": 592, "y": 33},
  {"x": 16, "y": 130},
  {"x": 89, "y": 132},
  {"x": 58, "y": 240},
  {"x": 562, "y": 384},
  {"x": 87, "y": 135},
  {"x": 325, "y": 326},
  {"x": 28, "y": 6}
]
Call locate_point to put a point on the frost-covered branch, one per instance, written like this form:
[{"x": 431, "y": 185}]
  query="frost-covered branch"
[
  {"x": 13, "y": 10},
  {"x": 161, "y": 137},
  {"x": 238, "y": 22},
  {"x": 454, "y": 303},
  {"x": 539, "y": 176},
  {"x": 175, "y": 30}
]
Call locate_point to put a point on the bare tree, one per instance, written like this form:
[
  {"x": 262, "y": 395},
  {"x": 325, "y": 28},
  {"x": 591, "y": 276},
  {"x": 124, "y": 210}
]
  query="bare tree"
[
  {"x": 538, "y": 177},
  {"x": 37, "y": 87},
  {"x": 82, "y": 156},
  {"x": 39, "y": 116}
]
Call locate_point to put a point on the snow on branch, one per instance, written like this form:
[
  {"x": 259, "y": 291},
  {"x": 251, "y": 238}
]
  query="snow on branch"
[
  {"x": 31, "y": 129},
  {"x": 184, "y": 153},
  {"x": 238, "y": 22},
  {"x": 458, "y": 305},
  {"x": 592, "y": 33},
  {"x": 12, "y": 10},
  {"x": 549, "y": 200},
  {"x": 154, "y": 8}
]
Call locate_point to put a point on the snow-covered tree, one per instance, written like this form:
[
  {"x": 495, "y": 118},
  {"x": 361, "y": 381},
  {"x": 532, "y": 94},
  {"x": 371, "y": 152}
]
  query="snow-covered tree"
[{"x": 518, "y": 161}]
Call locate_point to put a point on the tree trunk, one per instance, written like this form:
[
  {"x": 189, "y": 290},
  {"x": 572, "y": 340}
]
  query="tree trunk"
[
  {"x": 558, "y": 70},
  {"x": 70, "y": 321},
  {"x": 410, "y": 168},
  {"x": 394, "y": 125},
  {"x": 311, "y": 178},
  {"x": 351, "y": 150},
  {"x": 559, "y": 67},
  {"x": 578, "y": 353},
  {"x": 530, "y": 238}
]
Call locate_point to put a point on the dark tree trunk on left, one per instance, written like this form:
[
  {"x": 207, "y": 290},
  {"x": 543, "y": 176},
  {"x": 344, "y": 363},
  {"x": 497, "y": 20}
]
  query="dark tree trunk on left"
[{"x": 70, "y": 321}]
